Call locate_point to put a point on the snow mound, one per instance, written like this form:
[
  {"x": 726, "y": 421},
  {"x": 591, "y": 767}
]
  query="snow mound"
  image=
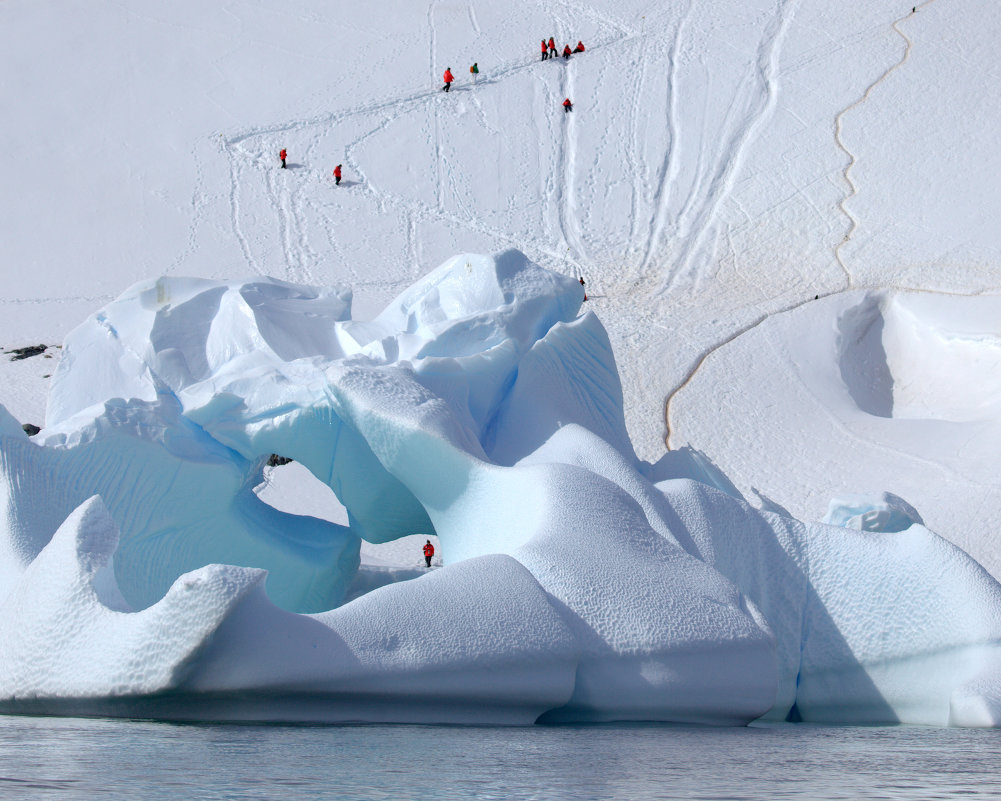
[
  {"x": 477, "y": 408},
  {"x": 923, "y": 357},
  {"x": 862, "y": 393}
]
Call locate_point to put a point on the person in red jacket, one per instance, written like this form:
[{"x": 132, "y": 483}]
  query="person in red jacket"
[
  {"x": 566, "y": 51},
  {"x": 567, "y": 105},
  {"x": 580, "y": 47},
  {"x": 337, "y": 174},
  {"x": 552, "y": 47},
  {"x": 582, "y": 287},
  {"x": 282, "y": 156},
  {"x": 448, "y": 79},
  {"x": 545, "y": 50},
  {"x": 428, "y": 552}
]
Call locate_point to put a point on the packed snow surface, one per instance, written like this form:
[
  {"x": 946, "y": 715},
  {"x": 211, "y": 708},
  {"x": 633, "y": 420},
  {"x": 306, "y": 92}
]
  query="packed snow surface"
[{"x": 144, "y": 573}]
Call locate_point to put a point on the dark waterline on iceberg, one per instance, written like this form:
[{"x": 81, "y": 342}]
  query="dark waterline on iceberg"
[{"x": 94, "y": 758}]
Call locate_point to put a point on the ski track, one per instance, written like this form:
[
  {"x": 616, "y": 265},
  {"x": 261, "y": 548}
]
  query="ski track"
[
  {"x": 853, "y": 222},
  {"x": 727, "y": 165},
  {"x": 669, "y": 168}
]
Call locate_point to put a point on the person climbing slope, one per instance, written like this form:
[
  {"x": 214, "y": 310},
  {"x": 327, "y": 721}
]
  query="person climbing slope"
[
  {"x": 567, "y": 105},
  {"x": 545, "y": 50},
  {"x": 337, "y": 174},
  {"x": 566, "y": 51},
  {"x": 552, "y": 47},
  {"x": 282, "y": 155},
  {"x": 428, "y": 552},
  {"x": 448, "y": 79}
]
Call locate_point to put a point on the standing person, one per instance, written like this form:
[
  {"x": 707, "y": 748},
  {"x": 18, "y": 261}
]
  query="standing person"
[
  {"x": 552, "y": 47},
  {"x": 448, "y": 79},
  {"x": 474, "y": 71},
  {"x": 582, "y": 286},
  {"x": 566, "y": 51},
  {"x": 567, "y": 105},
  {"x": 428, "y": 552},
  {"x": 282, "y": 155},
  {"x": 337, "y": 174},
  {"x": 545, "y": 50},
  {"x": 580, "y": 47}
]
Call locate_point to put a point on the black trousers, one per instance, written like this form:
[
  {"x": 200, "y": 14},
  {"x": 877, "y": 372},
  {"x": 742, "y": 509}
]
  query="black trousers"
[
  {"x": 428, "y": 560},
  {"x": 447, "y": 86}
]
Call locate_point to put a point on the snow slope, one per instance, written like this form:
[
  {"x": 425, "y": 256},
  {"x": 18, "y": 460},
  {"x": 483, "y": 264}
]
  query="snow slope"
[{"x": 699, "y": 184}]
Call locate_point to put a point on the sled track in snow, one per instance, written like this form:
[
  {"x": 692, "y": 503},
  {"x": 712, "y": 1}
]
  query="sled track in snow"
[
  {"x": 853, "y": 222},
  {"x": 668, "y": 171},
  {"x": 702, "y": 206}
]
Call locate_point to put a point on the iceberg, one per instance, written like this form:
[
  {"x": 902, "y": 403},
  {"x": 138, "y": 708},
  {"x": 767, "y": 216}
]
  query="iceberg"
[{"x": 141, "y": 575}]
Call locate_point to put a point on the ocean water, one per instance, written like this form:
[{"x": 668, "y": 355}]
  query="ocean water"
[{"x": 73, "y": 758}]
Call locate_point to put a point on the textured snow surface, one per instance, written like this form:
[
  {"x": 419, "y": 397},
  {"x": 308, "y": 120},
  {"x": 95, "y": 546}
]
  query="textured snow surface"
[{"x": 572, "y": 587}]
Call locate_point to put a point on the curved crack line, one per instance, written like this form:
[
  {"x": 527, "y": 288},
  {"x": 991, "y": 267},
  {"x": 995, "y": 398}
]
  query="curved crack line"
[{"x": 838, "y": 120}]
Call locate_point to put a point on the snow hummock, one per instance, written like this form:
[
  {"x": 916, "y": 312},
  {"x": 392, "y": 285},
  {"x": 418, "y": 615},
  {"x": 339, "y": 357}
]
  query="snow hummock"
[
  {"x": 859, "y": 394},
  {"x": 577, "y": 582}
]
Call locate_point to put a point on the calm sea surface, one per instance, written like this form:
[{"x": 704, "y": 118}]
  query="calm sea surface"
[{"x": 80, "y": 758}]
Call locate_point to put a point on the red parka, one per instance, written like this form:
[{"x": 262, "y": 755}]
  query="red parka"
[
  {"x": 428, "y": 550},
  {"x": 283, "y": 154},
  {"x": 545, "y": 47},
  {"x": 552, "y": 43},
  {"x": 448, "y": 76},
  {"x": 337, "y": 171},
  {"x": 579, "y": 48},
  {"x": 566, "y": 50}
]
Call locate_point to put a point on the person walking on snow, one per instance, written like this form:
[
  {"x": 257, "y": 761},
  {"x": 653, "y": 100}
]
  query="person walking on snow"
[
  {"x": 474, "y": 71},
  {"x": 566, "y": 51},
  {"x": 567, "y": 105},
  {"x": 337, "y": 174},
  {"x": 282, "y": 155},
  {"x": 582, "y": 285},
  {"x": 428, "y": 552},
  {"x": 580, "y": 47},
  {"x": 552, "y": 47},
  {"x": 448, "y": 79},
  {"x": 545, "y": 50}
]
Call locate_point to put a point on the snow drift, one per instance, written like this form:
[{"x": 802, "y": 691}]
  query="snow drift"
[{"x": 480, "y": 407}]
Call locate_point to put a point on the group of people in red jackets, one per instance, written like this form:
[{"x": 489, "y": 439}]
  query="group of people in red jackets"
[
  {"x": 283, "y": 155},
  {"x": 549, "y": 49}
]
